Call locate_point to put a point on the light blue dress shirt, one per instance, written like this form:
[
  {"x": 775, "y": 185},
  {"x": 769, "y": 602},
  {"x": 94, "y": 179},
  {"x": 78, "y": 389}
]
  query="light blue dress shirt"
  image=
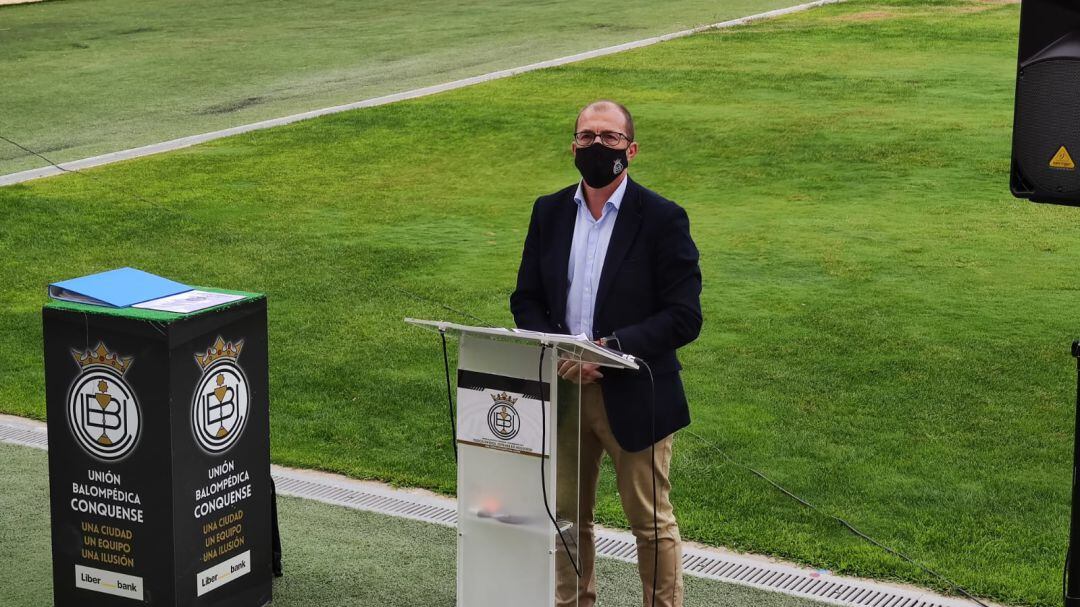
[{"x": 587, "y": 253}]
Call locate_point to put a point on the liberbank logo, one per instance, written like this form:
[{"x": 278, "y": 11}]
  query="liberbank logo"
[
  {"x": 109, "y": 582},
  {"x": 222, "y": 573},
  {"x": 102, "y": 410}
]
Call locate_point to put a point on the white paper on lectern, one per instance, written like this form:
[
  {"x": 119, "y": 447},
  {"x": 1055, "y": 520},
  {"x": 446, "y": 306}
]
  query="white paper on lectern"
[
  {"x": 513, "y": 424},
  {"x": 188, "y": 301}
]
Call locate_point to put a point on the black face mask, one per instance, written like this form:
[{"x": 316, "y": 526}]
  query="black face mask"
[{"x": 600, "y": 165}]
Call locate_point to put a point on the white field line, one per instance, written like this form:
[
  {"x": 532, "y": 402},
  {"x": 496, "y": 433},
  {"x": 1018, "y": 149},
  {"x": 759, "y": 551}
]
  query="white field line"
[{"x": 183, "y": 142}]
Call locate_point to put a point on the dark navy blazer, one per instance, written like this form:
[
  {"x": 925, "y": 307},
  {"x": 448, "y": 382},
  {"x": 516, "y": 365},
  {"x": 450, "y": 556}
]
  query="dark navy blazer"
[{"x": 648, "y": 297}]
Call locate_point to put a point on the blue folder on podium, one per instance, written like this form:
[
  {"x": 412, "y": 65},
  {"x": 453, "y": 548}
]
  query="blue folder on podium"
[{"x": 116, "y": 288}]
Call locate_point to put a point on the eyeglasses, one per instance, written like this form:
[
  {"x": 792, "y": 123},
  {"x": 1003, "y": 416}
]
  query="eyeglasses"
[{"x": 607, "y": 138}]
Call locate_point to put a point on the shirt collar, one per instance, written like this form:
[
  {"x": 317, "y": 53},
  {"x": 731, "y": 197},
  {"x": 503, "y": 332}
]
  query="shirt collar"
[{"x": 616, "y": 196}]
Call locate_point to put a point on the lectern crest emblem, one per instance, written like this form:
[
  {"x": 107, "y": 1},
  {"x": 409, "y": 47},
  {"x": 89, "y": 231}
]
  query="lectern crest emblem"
[
  {"x": 219, "y": 407},
  {"x": 102, "y": 409},
  {"x": 503, "y": 419}
]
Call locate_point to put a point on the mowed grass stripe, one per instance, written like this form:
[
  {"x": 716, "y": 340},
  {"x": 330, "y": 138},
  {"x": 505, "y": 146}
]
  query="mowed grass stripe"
[
  {"x": 886, "y": 329},
  {"x": 54, "y": 168},
  {"x": 88, "y": 77}
]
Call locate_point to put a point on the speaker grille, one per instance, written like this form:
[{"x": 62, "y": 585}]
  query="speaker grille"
[{"x": 1047, "y": 118}]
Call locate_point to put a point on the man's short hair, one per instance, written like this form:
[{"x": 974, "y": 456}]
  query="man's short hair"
[{"x": 608, "y": 104}]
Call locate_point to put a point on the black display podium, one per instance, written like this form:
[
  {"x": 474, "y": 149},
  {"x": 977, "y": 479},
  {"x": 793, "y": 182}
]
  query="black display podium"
[{"x": 159, "y": 455}]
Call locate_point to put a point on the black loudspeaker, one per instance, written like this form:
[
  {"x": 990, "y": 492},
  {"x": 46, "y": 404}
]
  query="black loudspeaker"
[{"x": 1046, "y": 119}]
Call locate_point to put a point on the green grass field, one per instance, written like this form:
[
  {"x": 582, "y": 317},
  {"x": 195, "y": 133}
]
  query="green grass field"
[
  {"x": 331, "y": 556},
  {"x": 886, "y": 330},
  {"x": 85, "y": 77}
]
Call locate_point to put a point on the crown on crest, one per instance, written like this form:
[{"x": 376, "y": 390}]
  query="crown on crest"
[
  {"x": 220, "y": 349},
  {"x": 504, "y": 398},
  {"x": 101, "y": 356}
]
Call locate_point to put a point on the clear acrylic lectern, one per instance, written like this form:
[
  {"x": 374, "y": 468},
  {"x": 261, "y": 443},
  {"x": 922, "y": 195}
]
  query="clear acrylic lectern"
[{"x": 518, "y": 439}]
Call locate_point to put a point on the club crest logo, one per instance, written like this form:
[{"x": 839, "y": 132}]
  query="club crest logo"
[
  {"x": 618, "y": 166},
  {"x": 103, "y": 412},
  {"x": 219, "y": 407},
  {"x": 503, "y": 419}
]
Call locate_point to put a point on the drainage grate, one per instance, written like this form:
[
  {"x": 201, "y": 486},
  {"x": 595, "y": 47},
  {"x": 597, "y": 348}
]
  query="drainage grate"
[
  {"x": 787, "y": 579},
  {"x": 732, "y": 568},
  {"x": 23, "y": 434},
  {"x": 297, "y": 483},
  {"x": 750, "y": 571}
]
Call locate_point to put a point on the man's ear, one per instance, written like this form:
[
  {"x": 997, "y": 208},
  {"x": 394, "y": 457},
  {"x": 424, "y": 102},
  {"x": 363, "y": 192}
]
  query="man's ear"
[
  {"x": 631, "y": 150},
  {"x": 573, "y": 149}
]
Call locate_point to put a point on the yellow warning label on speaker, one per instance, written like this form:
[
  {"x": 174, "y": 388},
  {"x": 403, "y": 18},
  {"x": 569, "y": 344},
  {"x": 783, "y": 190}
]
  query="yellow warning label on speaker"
[{"x": 1062, "y": 160}]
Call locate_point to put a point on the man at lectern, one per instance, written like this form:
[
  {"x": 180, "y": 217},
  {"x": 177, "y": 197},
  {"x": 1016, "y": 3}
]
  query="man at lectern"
[{"x": 614, "y": 261}]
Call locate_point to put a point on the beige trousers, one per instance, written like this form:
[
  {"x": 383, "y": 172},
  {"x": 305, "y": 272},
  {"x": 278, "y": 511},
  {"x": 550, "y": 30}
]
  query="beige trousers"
[{"x": 633, "y": 473}]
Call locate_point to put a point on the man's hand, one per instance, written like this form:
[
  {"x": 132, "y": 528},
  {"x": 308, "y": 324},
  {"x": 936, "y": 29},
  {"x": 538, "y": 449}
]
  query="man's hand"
[{"x": 579, "y": 373}]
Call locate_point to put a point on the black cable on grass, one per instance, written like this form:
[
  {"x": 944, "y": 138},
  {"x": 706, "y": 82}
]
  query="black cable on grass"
[
  {"x": 1076, "y": 447},
  {"x": 38, "y": 154},
  {"x": 462, "y": 313},
  {"x": 849, "y": 526},
  {"x": 125, "y": 191}
]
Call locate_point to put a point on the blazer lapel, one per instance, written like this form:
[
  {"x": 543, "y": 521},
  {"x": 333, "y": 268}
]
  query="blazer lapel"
[
  {"x": 562, "y": 238},
  {"x": 622, "y": 236}
]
